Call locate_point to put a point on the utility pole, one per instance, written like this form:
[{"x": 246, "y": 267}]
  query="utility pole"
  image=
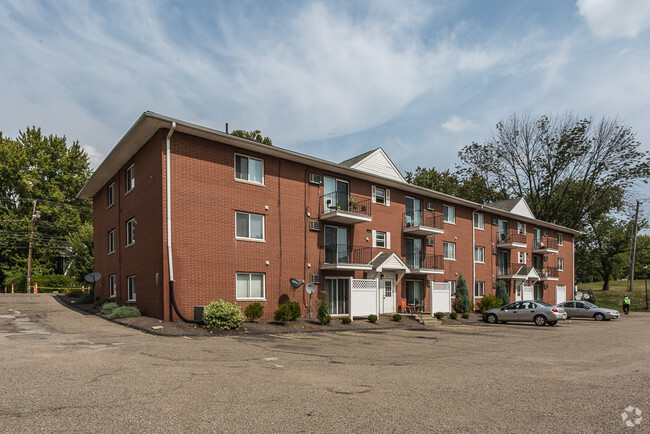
[
  {"x": 633, "y": 249},
  {"x": 35, "y": 215}
]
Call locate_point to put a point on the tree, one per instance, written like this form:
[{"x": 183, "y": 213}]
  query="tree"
[
  {"x": 81, "y": 247},
  {"x": 471, "y": 187},
  {"x": 502, "y": 292},
  {"x": 461, "y": 305},
  {"x": 255, "y": 135}
]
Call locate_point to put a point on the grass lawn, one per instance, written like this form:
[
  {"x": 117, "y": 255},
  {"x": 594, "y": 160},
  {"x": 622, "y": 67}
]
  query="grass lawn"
[{"x": 613, "y": 298}]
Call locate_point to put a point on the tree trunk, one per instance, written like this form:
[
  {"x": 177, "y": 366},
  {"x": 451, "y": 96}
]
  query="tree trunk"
[{"x": 606, "y": 283}]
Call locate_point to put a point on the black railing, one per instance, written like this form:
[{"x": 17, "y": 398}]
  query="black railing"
[
  {"x": 546, "y": 272},
  {"x": 416, "y": 261},
  {"x": 508, "y": 269},
  {"x": 546, "y": 243},
  {"x": 422, "y": 218},
  {"x": 342, "y": 201},
  {"x": 512, "y": 237},
  {"x": 346, "y": 254}
]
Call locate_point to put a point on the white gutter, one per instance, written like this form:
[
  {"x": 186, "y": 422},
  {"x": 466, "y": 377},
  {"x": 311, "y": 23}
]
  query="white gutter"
[{"x": 169, "y": 201}]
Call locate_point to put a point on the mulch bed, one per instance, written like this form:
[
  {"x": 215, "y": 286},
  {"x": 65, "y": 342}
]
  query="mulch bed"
[{"x": 263, "y": 326}]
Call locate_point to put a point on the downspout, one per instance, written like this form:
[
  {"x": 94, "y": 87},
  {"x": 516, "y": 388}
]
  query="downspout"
[{"x": 169, "y": 224}]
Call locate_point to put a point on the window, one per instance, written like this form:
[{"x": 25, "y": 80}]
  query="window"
[
  {"x": 337, "y": 248},
  {"x": 414, "y": 253},
  {"x": 130, "y": 232},
  {"x": 414, "y": 292},
  {"x": 381, "y": 239},
  {"x": 249, "y": 226},
  {"x": 130, "y": 178},
  {"x": 130, "y": 286},
  {"x": 249, "y": 169},
  {"x": 338, "y": 291},
  {"x": 521, "y": 228},
  {"x": 110, "y": 195},
  {"x": 479, "y": 289},
  {"x": 414, "y": 214},
  {"x": 453, "y": 287},
  {"x": 450, "y": 250},
  {"x": 560, "y": 239},
  {"x": 112, "y": 285},
  {"x": 111, "y": 241},
  {"x": 250, "y": 286},
  {"x": 448, "y": 214},
  {"x": 479, "y": 254},
  {"x": 380, "y": 195},
  {"x": 336, "y": 195},
  {"x": 479, "y": 221},
  {"x": 560, "y": 264},
  {"x": 522, "y": 257}
]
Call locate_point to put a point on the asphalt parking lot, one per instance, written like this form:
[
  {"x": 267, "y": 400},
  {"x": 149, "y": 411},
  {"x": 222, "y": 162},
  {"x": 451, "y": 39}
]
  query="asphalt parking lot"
[{"x": 65, "y": 371}]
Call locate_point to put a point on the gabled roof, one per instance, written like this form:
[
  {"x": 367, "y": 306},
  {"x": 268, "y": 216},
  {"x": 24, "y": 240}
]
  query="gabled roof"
[
  {"x": 388, "y": 261},
  {"x": 515, "y": 206},
  {"x": 375, "y": 162}
]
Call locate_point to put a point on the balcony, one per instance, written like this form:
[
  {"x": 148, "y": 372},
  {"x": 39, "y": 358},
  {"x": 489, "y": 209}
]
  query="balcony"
[
  {"x": 340, "y": 207},
  {"x": 419, "y": 263},
  {"x": 511, "y": 240},
  {"x": 517, "y": 271},
  {"x": 422, "y": 223},
  {"x": 548, "y": 273},
  {"x": 345, "y": 257},
  {"x": 545, "y": 245}
]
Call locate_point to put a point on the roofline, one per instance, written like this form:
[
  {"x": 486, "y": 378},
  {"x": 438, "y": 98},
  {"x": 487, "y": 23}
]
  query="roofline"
[{"x": 151, "y": 122}]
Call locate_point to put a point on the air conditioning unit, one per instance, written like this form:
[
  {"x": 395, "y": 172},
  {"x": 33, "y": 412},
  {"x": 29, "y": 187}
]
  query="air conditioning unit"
[
  {"x": 431, "y": 242},
  {"x": 546, "y": 286},
  {"x": 495, "y": 251},
  {"x": 430, "y": 206},
  {"x": 495, "y": 222},
  {"x": 315, "y": 178},
  {"x": 314, "y": 278},
  {"x": 314, "y": 225}
]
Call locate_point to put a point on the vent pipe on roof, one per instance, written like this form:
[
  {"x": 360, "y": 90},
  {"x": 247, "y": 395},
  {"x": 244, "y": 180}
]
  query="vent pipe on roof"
[
  {"x": 226, "y": 127},
  {"x": 169, "y": 223}
]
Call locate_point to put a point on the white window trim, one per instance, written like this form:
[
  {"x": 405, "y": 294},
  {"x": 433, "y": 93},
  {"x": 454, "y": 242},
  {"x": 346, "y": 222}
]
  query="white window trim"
[
  {"x": 248, "y": 181},
  {"x": 386, "y": 196},
  {"x": 112, "y": 286},
  {"x": 386, "y": 240},
  {"x": 111, "y": 249},
  {"x": 128, "y": 180},
  {"x": 249, "y": 280},
  {"x": 477, "y": 261},
  {"x": 444, "y": 251},
  {"x": 130, "y": 279},
  {"x": 519, "y": 258},
  {"x": 476, "y": 285},
  {"x": 560, "y": 261},
  {"x": 257, "y": 240},
  {"x": 128, "y": 232},
  {"x": 480, "y": 228},
  {"x": 110, "y": 188},
  {"x": 451, "y": 222},
  {"x": 560, "y": 239},
  {"x": 523, "y": 225}
]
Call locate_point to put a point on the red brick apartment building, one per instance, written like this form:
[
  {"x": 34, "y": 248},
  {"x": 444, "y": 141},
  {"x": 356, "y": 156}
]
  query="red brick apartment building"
[{"x": 220, "y": 217}]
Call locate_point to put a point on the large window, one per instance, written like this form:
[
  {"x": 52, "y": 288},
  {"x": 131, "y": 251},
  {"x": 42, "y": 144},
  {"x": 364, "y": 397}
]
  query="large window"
[
  {"x": 130, "y": 232},
  {"x": 560, "y": 264},
  {"x": 249, "y": 226},
  {"x": 479, "y": 221},
  {"x": 414, "y": 253},
  {"x": 112, "y": 285},
  {"x": 414, "y": 215},
  {"x": 560, "y": 239},
  {"x": 111, "y": 241},
  {"x": 414, "y": 292},
  {"x": 336, "y": 195},
  {"x": 130, "y": 178},
  {"x": 479, "y": 289},
  {"x": 449, "y": 250},
  {"x": 449, "y": 214},
  {"x": 479, "y": 254},
  {"x": 250, "y": 286},
  {"x": 249, "y": 169},
  {"x": 337, "y": 248},
  {"x": 338, "y": 292},
  {"x": 380, "y": 195},
  {"x": 110, "y": 195},
  {"x": 130, "y": 286}
]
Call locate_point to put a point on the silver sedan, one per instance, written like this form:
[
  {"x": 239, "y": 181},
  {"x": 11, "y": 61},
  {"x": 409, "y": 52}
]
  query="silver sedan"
[
  {"x": 585, "y": 309},
  {"x": 528, "y": 310}
]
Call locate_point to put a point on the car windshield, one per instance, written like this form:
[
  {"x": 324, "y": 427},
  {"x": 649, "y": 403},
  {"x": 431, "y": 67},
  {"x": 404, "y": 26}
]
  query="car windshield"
[{"x": 589, "y": 304}]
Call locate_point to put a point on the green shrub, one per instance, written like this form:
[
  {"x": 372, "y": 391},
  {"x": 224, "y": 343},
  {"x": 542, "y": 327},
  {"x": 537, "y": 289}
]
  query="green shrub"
[
  {"x": 254, "y": 311},
  {"x": 346, "y": 320},
  {"x": 76, "y": 292},
  {"x": 294, "y": 308},
  {"x": 323, "y": 312},
  {"x": 453, "y": 315},
  {"x": 85, "y": 299},
  {"x": 461, "y": 305},
  {"x": 222, "y": 315},
  {"x": 109, "y": 307},
  {"x": 502, "y": 292},
  {"x": 439, "y": 315},
  {"x": 283, "y": 313},
  {"x": 397, "y": 317},
  {"x": 592, "y": 296},
  {"x": 372, "y": 318},
  {"x": 490, "y": 302},
  {"x": 465, "y": 315},
  {"x": 54, "y": 281},
  {"x": 125, "y": 312},
  {"x": 99, "y": 302}
]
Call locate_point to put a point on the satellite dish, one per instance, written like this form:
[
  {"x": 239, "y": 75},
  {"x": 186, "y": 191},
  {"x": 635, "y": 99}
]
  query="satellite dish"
[
  {"x": 586, "y": 296},
  {"x": 296, "y": 283},
  {"x": 310, "y": 288},
  {"x": 93, "y": 277},
  {"x": 578, "y": 295}
]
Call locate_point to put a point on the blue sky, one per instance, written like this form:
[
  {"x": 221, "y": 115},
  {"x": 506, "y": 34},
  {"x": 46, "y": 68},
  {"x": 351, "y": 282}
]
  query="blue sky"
[{"x": 330, "y": 79}]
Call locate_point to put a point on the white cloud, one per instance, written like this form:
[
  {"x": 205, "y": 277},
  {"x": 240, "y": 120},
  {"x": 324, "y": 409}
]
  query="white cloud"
[
  {"x": 456, "y": 124},
  {"x": 616, "y": 18}
]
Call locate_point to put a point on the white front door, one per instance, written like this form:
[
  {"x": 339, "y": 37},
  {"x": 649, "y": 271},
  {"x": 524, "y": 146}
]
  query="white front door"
[
  {"x": 518, "y": 293},
  {"x": 388, "y": 289}
]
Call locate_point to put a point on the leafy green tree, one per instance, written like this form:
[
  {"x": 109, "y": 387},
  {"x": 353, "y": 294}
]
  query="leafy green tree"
[
  {"x": 502, "y": 292},
  {"x": 255, "y": 135},
  {"x": 81, "y": 247},
  {"x": 461, "y": 305},
  {"x": 467, "y": 186}
]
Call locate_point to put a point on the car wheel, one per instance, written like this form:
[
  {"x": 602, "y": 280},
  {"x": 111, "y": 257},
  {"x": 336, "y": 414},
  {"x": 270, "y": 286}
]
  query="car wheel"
[
  {"x": 599, "y": 317},
  {"x": 491, "y": 318},
  {"x": 552, "y": 323},
  {"x": 540, "y": 320}
]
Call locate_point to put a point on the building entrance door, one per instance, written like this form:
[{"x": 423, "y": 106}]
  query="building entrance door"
[{"x": 388, "y": 288}]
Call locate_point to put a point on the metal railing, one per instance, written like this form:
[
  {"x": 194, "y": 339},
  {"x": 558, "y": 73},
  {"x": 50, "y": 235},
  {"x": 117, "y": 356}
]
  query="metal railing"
[
  {"x": 546, "y": 243},
  {"x": 546, "y": 272},
  {"x": 416, "y": 261},
  {"x": 342, "y": 201},
  {"x": 512, "y": 237},
  {"x": 422, "y": 218},
  {"x": 346, "y": 254}
]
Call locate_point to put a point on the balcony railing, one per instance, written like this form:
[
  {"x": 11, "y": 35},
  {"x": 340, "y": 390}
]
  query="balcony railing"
[
  {"x": 342, "y": 201},
  {"x": 548, "y": 272},
  {"x": 427, "y": 219},
  {"x": 346, "y": 254},
  {"x": 546, "y": 244},
  {"x": 509, "y": 269},
  {"x": 417, "y": 261},
  {"x": 511, "y": 239}
]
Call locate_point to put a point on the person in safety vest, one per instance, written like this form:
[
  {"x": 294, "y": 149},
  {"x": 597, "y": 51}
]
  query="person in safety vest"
[{"x": 626, "y": 305}]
